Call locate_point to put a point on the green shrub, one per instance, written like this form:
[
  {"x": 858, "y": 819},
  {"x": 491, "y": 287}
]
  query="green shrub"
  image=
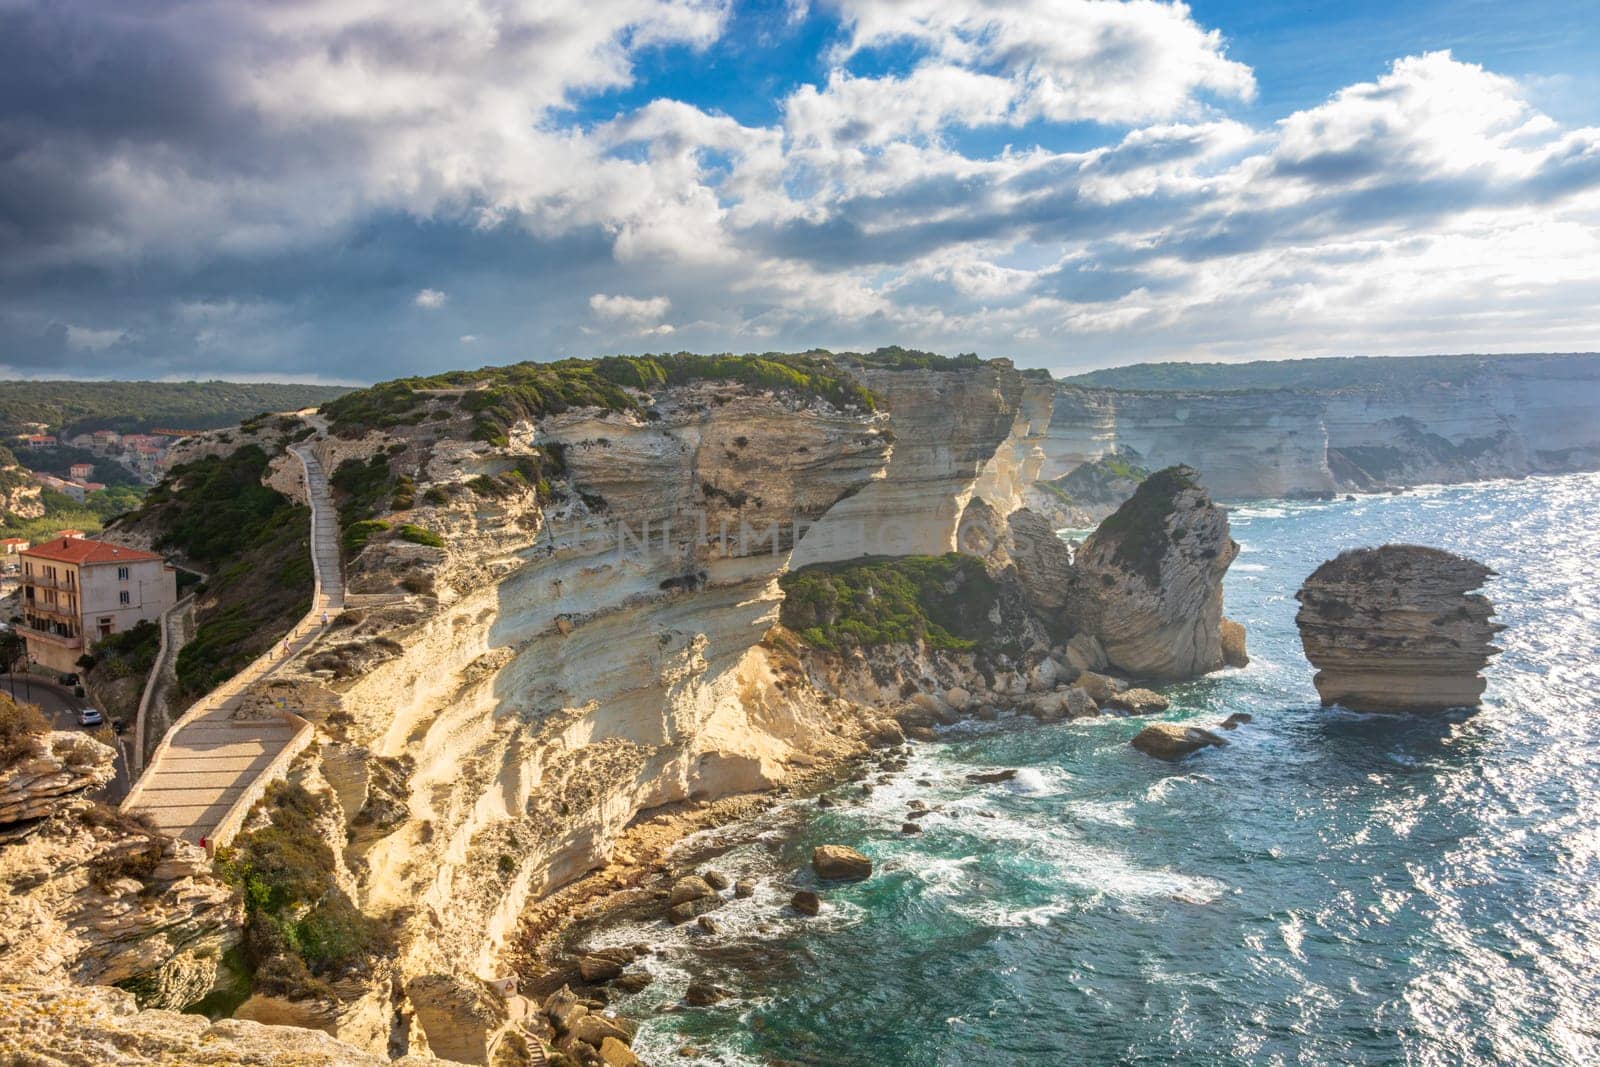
[
  {"x": 944, "y": 601},
  {"x": 255, "y": 543},
  {"x": 436, "y": 496},
  {"x": 300, "y": 927},
  {"x": 216, "y": 509},
  {"x": 357, "y": 534},
  {"x": 361, "y": 487},
  {"x": 420, "y": 535}
]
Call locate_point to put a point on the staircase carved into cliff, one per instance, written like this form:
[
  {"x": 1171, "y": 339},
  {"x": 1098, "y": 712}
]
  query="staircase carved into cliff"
[{"x": 212, "y": 766}]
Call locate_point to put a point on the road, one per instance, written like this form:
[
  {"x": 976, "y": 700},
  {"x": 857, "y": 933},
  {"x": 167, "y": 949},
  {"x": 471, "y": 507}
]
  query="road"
[{"x": 61, "y": 708}]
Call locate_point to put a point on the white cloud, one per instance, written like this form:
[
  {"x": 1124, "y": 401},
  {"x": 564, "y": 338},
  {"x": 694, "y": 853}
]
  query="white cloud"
[
  {"x": 1071, "y": 60},
  {"x": 469, "y": 338},
  {"x": 1413, "y": 202},
  {"x": 628, "y": 307},
  {"x": 92, "y": 340}
]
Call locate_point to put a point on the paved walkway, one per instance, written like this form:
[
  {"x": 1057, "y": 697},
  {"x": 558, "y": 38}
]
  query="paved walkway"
[{"x": 209, "y": 760}]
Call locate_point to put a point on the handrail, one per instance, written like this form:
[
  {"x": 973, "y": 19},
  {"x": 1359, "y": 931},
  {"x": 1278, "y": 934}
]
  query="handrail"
[{"x": 150, "y": 683}]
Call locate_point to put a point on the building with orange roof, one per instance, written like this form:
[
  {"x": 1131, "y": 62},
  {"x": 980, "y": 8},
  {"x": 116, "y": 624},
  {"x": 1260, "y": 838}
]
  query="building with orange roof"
[{"x": 76, "y": 592}]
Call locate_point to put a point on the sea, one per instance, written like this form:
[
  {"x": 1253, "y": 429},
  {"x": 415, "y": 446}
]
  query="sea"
[{"x": 1329, "y": 888}]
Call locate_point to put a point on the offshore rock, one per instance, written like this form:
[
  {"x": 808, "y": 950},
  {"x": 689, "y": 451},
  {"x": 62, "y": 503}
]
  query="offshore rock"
[
  {"x": 1233, "y": 641},
  {"x": 837, "y": 862},
  {"x": 1043, "y": 560},
  {"x": 1150, "y": 580},
  {"x": 1397, "y": 629},
  {"x": 1172, "y": 741}
]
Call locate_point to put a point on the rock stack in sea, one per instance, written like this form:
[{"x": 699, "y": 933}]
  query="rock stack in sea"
[
  {"x": 1397, "y": 629},
  {"x": 1149, "y": 582}
]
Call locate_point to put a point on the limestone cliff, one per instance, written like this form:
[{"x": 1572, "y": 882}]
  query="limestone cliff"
[
  {"x": 1465, "y": 420},
  {"x": 90, "y": 896},
  {"x": 1015, "y": 465},
  {"x": 947, "y": 425},
  {"x": 1247, "y": 444},
  {"x": 555, "y": 626},
  {"x": 1090, "y": 492},
  {"x": 1150, "y": 580},
  {"x": 562, "y": 588},
  {"x": 1397, "y": 629}
]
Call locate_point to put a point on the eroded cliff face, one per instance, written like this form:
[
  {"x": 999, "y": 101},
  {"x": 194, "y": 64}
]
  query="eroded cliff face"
[
  {"x": 496, "y": 709},
  {"x": 1397, "y": 629},
  {"x": 1009, "y": 474},
  {"x": 947, "y": 425},
  {"x": 1149, "y": 581},
  {"x": 89, "y": 896},
  {"x": 1510, "y": 418},
  {"x": 1246, "y": 444}
]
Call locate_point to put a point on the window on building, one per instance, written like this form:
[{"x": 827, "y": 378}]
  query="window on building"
[
  {"x": 125, "y": 597},
  {"x": 122, "y": 574}
]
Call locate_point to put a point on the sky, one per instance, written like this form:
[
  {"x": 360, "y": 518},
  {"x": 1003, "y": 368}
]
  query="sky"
[{"x": 356, "y": 190}]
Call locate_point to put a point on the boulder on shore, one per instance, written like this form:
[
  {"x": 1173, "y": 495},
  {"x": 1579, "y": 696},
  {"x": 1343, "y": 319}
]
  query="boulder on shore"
[
  {"x": 691, "y": 896},
  {"x": 1397, "y": 629},
  {"x": 1172, "y": 741},
  {"x": 1137, "y": 701},
  {"x": 839, "y": 863}
]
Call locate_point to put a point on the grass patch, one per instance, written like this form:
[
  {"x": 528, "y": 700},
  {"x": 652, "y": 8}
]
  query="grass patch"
[
  {"x": 357, "y": 534},
  {"x": 944, "y": 601}
]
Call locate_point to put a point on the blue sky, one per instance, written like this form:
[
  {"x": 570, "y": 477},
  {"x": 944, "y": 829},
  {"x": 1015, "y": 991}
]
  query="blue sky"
[{"x": 322, "y": 190}]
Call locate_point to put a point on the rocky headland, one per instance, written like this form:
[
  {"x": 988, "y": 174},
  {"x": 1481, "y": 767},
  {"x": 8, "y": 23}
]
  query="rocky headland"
[
  {"x": 577, "y": 628},
  {"x": 596, "y": 605},
  {"x": 1398, "y": 629}
]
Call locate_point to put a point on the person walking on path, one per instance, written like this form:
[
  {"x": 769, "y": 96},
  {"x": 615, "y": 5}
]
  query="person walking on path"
[{"x": 324, "y": 618}]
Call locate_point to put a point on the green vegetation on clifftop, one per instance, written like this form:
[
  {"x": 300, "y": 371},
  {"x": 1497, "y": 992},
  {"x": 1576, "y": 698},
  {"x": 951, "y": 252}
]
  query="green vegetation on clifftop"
[
  {"x": 254, "y": 542},
  {"x": 497, "y": 397}
]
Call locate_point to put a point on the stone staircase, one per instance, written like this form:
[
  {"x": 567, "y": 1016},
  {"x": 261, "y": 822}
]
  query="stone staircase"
[{"x": 211, "y": 766}]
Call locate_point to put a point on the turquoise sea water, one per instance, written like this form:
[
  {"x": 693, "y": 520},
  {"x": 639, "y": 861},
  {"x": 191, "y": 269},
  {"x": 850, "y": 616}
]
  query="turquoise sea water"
[{"x": 1329, "y": 888}]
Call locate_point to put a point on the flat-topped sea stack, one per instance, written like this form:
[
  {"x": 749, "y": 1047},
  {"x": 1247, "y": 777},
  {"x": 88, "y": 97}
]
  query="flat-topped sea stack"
[
  {"x": 1150, "y": 581},
  {"x": 1398, "y": 629}
]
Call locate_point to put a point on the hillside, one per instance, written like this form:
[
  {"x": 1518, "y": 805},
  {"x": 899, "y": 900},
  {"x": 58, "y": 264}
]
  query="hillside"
[
  {"x": 128, "y": 407},
  {"x": 1326, "y": 373}
]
